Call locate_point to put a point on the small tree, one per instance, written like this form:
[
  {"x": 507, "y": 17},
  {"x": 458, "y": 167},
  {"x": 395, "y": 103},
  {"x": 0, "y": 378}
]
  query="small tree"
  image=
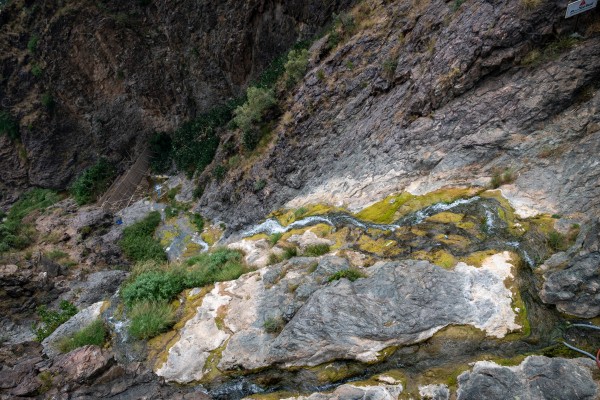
[
  {"x": 295, "y": 67},
  {"x": 259, "y": 100}
]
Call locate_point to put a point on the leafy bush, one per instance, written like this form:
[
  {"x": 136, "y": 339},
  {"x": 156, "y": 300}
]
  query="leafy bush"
[
  {"x": 36, "y": 70},
  {"x": 138, "y": 241},
  {"x": 8, "y": 126},
  {"x": 161, "y": 147},
  {"x": 14, "y": 234},
  {"x": 350, "y": 274},
  {"x": 295, "y": 67},
  {"x": 95, "y": 334},
  {"x": 93, "y": 182},
  {"x": 48, "y": 100},
  {"x": 165, "y": 284},
  {"x": 50, "y": 320},
  {"x": 259, "y": 100},
  {"x": 219, "y": 172},
  {"x": 499, "y": 179},
  {"x": 315, "y": 250},
  {"x": 150, "y": 318}
]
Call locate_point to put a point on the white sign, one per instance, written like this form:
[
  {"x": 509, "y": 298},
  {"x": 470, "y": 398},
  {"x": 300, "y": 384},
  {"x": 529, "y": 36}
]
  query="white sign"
[{"x": 577, "y": 7}]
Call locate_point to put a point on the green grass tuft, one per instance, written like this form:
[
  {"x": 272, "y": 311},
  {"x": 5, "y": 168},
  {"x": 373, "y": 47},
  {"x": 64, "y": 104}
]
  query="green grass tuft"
[
  {"x": 350, "y": 274},
  {"x": 150, "y": 318},
  {"x": 316, "y": 250},
  {"x": 93, "y": 334},
  {"x": 50, "y": 320},
  {"x": 138, "y": 241}
]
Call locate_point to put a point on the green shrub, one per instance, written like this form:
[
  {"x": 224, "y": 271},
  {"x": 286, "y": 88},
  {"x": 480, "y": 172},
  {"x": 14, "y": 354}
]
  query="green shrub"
[
  {"x": 56, "y": 255},
  {"x": 556, "y": 241},
  {"x": 259, "y": 185},
  {"x": 138, "y": 241},
  {"x": 250, "y": 139},
  {"x": 48, "y": 100},
  {"x": 295, "y": 67},
  {"x": 258, "y": 101},
  {"x": 32, "y": 44},
  {"x": 161, "y": 147},
  {"x": 150, "y": 318},
  {"x": 154, "y": 286},
  {"x": 8, "y": 126},
  {"x": 14, "y": 234},
  {"x": 161, "y": 284},
  {"x": 198, "y": 221},
  {"x": 219, "y": 172},
  {"x": 36, "y": 70},
  {"x": 93, "y": 334},
  {"x": 171, "y": 212},
  {"x": 273, "y": 325},
  {"x": 315, "y": 250},
  {"x": 50, "y": 320},
  {"x": 350, "y": 274},
  {"x": 92, "y": 182}
]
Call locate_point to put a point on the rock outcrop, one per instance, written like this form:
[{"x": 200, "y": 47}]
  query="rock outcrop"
[
  {"x": 572, "y": 280},
  {"x": 396, "y": 304},
  {"x": 536, "y": 378},
  {"x": 425, "y": 97}
]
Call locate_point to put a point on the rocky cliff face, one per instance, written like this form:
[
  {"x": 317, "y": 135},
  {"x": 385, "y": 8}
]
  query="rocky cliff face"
[
  {"x": 86, "y": 80},
  {"x": 434, "y": 94}
]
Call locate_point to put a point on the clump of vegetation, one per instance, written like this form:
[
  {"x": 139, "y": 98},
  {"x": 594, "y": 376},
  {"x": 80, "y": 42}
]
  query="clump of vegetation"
[
  {"x": 93, "y": 182},
  {"x": 456, "y": 5},
  {"x": 47, "y": 101},
  {"x": 56, "y": 255},
  {"x": 14, "y": 234},
  {"x": 198, "y": 221},
  {"x": 219, "y": 172},
  {"x": 171, "y": 212},
  {"x": 343, "y": 27},
  {"x": 258, "y": 102},
  {"x": 389, "y": 67},
  {"x": 350, "y": 274},
  {"x": 32, "y": 44},
  {"x": 161, "y": 147},
  {"x": 290, "y": 252},
  {"x": 295, "y": 67},
  {"x": 8, "y": 126},
  {"x": 93, "y": 334},
  {"x": 274, "y": 238},
  {"x": 550, "y": 52},
  {"x": 50, "y": 320},
  {"x": 158, "y": 284},
  {"x": 36, "y": 70},
  {"x": 150, "y": 318},
  {"x": 273, "y": 325},
  {"x": 502, "y": 178},
  {"x": 530, "y": 4},
  {"x": 138, "y": 241},
  {"x": 259, "y": 185},
  {"x": 315, "y": 250},
  {"x": 556, "y": 241}
]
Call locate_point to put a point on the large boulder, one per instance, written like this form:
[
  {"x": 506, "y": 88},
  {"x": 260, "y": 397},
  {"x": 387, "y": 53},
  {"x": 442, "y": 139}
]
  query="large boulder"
[
  {"x": 243, "y": 322},
  {"x": 536, "y": 377},
  {"x": 572, "y": 279}
]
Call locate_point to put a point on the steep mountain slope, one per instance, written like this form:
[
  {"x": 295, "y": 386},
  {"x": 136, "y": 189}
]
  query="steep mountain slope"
[
  {"x": 431, "y": 94},
  {"x": 85, "y": 80}
]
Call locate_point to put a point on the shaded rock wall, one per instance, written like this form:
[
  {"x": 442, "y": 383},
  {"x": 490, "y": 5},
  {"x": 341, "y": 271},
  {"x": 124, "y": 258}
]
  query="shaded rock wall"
[{"x": 117, "y": 72}]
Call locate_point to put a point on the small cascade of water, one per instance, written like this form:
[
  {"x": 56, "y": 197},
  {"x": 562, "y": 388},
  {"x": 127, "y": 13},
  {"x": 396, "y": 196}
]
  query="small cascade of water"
[
  {"x": 522, "y": 252},
  {"x": 423, "y": 214},
  {"x": 198, "y": 240}
]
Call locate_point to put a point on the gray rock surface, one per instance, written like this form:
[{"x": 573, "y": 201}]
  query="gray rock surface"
[
  {"x": 97, "y": 287},
  {"x": 77, "y": 322},
  {"x": 398, "y": 303},
  {"x": 459, "y": 105},
  {"x": 536, "y": 378},
  {"x": 572, "y": 281}
]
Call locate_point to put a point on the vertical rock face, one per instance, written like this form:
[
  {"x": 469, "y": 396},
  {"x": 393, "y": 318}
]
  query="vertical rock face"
[{"x": 117, "y": 72}]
